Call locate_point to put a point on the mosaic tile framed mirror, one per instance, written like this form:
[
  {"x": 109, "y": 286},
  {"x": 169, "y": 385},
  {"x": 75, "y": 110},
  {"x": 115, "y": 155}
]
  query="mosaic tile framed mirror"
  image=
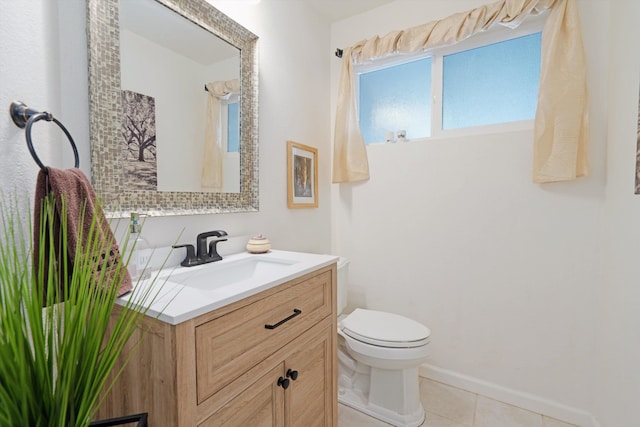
[{"x": 165, "y": 75}]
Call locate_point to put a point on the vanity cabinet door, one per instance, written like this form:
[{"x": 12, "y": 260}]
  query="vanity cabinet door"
[
  {"x": 259, "y": 405},
  {"x": 309, "y": 398}
]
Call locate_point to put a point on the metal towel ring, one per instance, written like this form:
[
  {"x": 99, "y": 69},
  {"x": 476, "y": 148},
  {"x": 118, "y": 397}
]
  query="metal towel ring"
[
  {"x": 25, "y": 117},
  {"x": 48, "y": 117}
]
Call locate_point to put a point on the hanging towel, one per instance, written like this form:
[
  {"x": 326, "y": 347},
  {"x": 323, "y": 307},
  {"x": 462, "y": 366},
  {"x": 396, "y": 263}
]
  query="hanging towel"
[{"x": 79, "y": 197}]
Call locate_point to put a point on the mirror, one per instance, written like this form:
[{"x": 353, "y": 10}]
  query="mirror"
[
  {"x": 147, "y": 117},
  {"x": 166, "y": 61}
]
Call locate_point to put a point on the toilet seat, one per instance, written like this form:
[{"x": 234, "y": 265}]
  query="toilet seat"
[{"x": 385, "y": 329}]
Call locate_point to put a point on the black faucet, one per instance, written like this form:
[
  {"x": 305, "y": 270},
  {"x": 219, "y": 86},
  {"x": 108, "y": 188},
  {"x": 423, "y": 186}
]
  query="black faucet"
[
  {"x": 201, "y": 243},
  {"x": 203, "y": 256}
]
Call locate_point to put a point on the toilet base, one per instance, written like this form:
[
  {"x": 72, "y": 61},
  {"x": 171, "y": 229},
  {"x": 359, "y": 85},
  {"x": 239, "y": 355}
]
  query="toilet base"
[
  {"x": 357, "y": 401},
  {"x": 392, "y": 396}
]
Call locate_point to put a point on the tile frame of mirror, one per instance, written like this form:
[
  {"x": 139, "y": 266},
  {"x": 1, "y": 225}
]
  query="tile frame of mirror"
[{"x": 103, "y": 34}]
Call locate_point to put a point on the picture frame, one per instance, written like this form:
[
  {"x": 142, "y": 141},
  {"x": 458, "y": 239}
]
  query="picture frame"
[{"x": 302, "y": 176}]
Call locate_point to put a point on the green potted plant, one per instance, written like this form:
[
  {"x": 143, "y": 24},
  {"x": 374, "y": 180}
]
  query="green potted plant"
[{"x": 58, "y": 338}]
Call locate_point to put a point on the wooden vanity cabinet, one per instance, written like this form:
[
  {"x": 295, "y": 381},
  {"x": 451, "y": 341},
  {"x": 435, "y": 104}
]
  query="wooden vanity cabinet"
[{"x": 225, "y": 368}]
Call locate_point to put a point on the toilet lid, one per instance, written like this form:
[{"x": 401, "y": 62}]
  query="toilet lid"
[{"x": 385, "y": 329}]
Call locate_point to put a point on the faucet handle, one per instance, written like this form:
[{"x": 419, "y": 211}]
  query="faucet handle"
[
  {"x": 213, "y": 249},
  {"x": 190, "y": 259}
]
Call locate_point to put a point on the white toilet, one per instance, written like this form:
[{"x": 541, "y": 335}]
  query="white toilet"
[{"x": 378, "y": 358}]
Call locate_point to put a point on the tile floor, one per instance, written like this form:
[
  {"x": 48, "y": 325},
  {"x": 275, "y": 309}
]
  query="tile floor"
[{"x": 448, "y": 406}]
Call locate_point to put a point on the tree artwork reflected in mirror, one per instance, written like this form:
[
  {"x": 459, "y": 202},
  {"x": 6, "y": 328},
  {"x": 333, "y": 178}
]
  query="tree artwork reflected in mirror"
[{"x": 139, "y": 141}]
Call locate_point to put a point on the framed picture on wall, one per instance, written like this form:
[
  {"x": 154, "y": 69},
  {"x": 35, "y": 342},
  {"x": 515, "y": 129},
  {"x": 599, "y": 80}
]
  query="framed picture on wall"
[{"x": 302, "y": 176}]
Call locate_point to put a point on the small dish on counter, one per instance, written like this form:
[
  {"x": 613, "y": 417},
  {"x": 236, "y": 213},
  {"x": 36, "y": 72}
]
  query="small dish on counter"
[{"x": 258, "y": 245}]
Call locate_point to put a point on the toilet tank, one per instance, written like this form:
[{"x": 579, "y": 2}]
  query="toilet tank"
[{"x": 343, "y": 280}]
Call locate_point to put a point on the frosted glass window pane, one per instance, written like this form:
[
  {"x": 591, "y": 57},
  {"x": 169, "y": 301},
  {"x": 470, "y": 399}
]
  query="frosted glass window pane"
[
  {"x": 396, "y": 98},
  {"x": 233, "y": 128},
  {"x": 496, "y": 83}
]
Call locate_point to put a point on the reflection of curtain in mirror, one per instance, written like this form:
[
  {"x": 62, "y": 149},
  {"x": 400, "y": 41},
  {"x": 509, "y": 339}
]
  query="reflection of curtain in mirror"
[{"x": 211, "y": 178}]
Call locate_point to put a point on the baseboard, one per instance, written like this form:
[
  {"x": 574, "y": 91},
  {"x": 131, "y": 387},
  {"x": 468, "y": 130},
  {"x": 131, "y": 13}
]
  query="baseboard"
[{"x": 522, "y": 400}]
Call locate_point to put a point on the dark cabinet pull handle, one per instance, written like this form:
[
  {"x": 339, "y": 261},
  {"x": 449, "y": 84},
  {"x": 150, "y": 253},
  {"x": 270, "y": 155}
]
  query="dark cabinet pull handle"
[
  {"x": 295, "y": 313},
  {"x": 292, "y": 374},
  {"x": 283, "y": 382}
]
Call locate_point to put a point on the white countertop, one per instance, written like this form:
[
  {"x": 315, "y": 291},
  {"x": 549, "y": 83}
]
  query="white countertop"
[{"x": 174, "y": 303}]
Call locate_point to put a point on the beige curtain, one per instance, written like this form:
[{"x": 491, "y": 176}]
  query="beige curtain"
[
  {"x": 561, "y": 128},
  {"x": 212, "y": 176}
]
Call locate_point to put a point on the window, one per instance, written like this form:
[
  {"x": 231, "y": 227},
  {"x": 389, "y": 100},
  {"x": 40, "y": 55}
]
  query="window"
[
  {"x": 480, "y": 82},
  {"x": 395, "y": 98},
  {"x": 496, "y": 83},
  {"x": 233, "y": 128}
]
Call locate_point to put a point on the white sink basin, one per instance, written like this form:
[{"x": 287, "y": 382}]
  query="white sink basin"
[
  {"x": 212, "y": 276},
  {"x": 184, "y": 293}
]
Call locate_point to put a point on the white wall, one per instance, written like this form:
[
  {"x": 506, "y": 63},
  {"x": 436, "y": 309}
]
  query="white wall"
[
  {"x": 293, "y": 105},
  {"x": 618, "y": 385},
  {"x": 294, "y": 77},
  {"x": 29, "y": 73},
  {"x": 453, "y": 233}
]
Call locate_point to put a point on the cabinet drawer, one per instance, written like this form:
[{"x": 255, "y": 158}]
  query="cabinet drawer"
[{"x": 237, "y": 341}]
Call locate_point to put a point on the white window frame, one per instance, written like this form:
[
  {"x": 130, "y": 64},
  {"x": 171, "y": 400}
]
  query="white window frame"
[{"x": 533, "y": 24}]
